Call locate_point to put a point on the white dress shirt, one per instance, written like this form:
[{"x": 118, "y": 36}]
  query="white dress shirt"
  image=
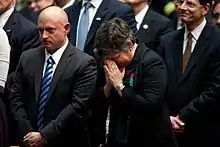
[
  {"x": 92, "y": 12},
  {"x": 4, "y": 57},
  {"x": 195, "y": 33},
  {"x": 56, "y": 56},
  {"x": 68, "y": 4},
  {"x": 140, "y": 16},
  {"x": 5, "y": 16}
]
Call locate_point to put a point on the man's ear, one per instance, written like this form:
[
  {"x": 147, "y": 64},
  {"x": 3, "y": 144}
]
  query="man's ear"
[
  {"x": 67, "y": 28},
  {"x": 206, "y": 9}
]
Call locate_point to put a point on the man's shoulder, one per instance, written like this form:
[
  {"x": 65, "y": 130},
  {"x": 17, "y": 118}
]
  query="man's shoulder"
[
  {"x": 171, "y": 35},
  {"x": 22, "y": 24},
  {"x": 158, "y": 17},
  {"x": 118, "y": 6},
  {"x": 148, "y": 55},
  {"x": 215, "y": 31},
  {"x": 79, "y": 55},
  {"x": 31, "y": 53}
]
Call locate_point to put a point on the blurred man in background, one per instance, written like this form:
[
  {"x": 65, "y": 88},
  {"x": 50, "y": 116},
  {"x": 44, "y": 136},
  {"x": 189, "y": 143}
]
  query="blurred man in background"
[
  {"x": 216, "y": 13},
  {"x": 37, "y": 5},
  {"x": 34, "y": 7}
]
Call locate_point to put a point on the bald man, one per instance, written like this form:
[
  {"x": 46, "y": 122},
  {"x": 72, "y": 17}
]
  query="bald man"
[{"x": 50, "y": 95}]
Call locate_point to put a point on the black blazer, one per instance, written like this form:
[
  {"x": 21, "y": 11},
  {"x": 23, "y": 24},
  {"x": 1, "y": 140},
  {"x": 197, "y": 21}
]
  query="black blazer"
[
  {"x": 32, "y": 16},
  {"x": 66, "y": 112},
  {"x": 22, "y": 35},
  {"x": 140, "y": 117},
  {"x": 194, "y": 95},
  {"x": 108, "y": 9},
  {"x": 152, "y": 27}
]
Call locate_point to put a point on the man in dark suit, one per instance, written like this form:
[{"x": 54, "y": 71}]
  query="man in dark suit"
[
  {"x": 134, "y": 90},
  {"x": 98, "y": 11},
  {"x": 50, "y": 95},
  {"x": 150, "y": 24},
  {"x": 192, "y": 58},
  {"x": 22, "y": 33}
]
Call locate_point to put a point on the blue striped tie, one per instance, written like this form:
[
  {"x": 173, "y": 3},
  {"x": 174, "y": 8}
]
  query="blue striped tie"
[{"x": 45, "y": 87}]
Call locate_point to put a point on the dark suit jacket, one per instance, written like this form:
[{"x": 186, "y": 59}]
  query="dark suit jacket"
[
  {"x": 66, "y": 112},
  {"x": 22, "y": 35},
  {"x": 4, "y": 138},
  {"x": 140, "y": 117},
  {"x": 158, "y": 25},
  {"x": 32, "y": 16},
  {"x": 108, "y": 9},
  {"x": 194, "y": 95}
]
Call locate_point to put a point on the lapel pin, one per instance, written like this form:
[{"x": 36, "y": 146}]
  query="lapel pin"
[
  {"x": 98, "y": 18},
  {"x": 145, "y": 26},
  {"x": 8, "y": 31}
]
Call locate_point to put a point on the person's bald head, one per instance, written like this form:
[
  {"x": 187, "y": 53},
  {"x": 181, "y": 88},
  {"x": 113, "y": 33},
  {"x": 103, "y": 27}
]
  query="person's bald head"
[
  {"x": 54, "y": 26},
  {"x": 54, "y": 13}
]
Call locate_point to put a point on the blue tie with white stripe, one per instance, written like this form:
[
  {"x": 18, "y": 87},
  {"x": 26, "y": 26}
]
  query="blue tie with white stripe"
[{"x": 45, "y": 87}]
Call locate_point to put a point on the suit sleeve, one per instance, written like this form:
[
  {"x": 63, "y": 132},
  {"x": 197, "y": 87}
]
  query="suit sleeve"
[
  {"x": 209, "y": 98},
  {"x": 167, "y": 28},
  {"x": 160, "y": 47},
  {"x": 150, "y": 97},
  {"x": 17, "y": 104},
  {"x": 29, "y": 40},
  {"x": 74, "y": 113}
]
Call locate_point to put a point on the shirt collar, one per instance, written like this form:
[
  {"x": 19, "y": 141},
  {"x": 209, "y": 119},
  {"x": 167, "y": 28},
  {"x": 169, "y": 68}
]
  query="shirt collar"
[
  {"x": 95, "y": 3},
  {"x": 140, "y": 16},
  {"x": 57, "y": 55},
  {"x": 5, "y": 16},
  {"x": 197, "y": 31}
]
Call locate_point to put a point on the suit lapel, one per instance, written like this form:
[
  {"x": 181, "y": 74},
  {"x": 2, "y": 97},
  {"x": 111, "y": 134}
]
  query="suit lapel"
[
  {"x": 74, "y": 18},
  {"x": 61, "y": 67},
  {"x": 177, "y": 52},
  {"x": 199, "y": 49},
  {"x": 97, "y": 20},
  {"x": 144, "y": 29},
  {"x": 10, "y": 24},
  {"x": 39, "y": 66}
]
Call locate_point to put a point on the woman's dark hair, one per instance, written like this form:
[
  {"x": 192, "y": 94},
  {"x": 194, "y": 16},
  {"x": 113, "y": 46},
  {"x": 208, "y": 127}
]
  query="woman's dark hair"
[{"x": 113, "y": 36}]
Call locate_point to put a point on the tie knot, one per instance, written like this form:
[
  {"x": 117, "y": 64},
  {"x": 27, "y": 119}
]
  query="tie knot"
[
  {"x": 50, "y": 60},
  {"x": 87, "y": 5},
  {"x": 190, "y": 35}
]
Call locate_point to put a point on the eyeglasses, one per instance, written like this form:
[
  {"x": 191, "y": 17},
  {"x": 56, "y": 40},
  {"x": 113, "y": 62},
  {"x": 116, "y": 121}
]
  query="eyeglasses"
[
  {"x": 187, "y": 4},
  {"x": 216, "y": 15}
]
